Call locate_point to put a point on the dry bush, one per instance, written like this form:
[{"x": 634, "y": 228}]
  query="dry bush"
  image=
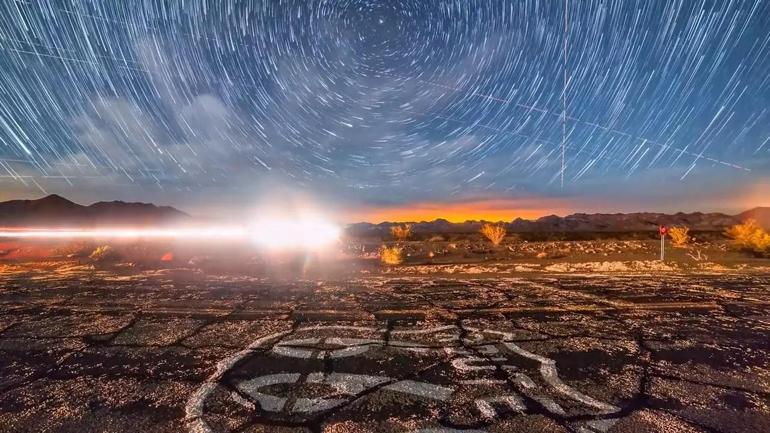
[
  {"x": 680, "y": 236},
  {"x": 698, "y": 256},
  {"x": 74, "y": 249},
  {"x": 494, "y": 232},
  {"x": 401, "y": 232},
  {"x": 750, "y": 236},
  {"x": 391, "y": 256},
  {"x": 102, "y": 253}
]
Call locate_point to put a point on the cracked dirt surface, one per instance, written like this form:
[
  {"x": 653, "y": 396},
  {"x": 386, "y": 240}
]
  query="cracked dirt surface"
[{"x": 91, "y": 351}]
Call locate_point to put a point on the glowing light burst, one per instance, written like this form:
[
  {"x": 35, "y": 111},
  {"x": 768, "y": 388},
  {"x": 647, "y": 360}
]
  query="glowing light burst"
[
  {"x": 307, "y": 232},
  {"x": 304, "y": 233}
]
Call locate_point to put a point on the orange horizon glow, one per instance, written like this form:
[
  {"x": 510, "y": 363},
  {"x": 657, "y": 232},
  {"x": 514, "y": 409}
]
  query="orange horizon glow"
[{"x": 488, "y": 210}]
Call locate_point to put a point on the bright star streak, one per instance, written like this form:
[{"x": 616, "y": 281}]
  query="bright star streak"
[{"x": 408, "y": 98}]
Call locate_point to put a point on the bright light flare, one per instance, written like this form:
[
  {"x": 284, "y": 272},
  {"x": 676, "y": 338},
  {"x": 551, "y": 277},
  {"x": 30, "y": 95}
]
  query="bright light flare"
[
  {"x": 308, "y": 232},
  {"x": 129, "y": 233}
]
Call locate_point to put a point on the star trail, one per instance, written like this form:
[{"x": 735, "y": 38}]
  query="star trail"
[{"x": 381, "y": 101}]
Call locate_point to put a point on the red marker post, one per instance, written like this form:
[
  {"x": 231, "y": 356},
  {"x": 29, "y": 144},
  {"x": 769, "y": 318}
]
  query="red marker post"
[{"x": 663, "y": 230}]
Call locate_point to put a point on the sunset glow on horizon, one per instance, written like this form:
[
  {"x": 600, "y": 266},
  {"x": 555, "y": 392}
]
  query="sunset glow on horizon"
[{"x": 488, "y": 210}]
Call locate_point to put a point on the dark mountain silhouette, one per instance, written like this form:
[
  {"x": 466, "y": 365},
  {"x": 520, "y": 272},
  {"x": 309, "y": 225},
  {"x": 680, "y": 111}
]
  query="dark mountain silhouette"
[
  {"x": 580, "y": 222},
  {"x": 57, "y": 211}
]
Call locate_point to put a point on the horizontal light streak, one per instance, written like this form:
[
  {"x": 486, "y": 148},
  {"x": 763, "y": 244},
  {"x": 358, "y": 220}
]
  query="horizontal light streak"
[{"x": 128, "y": 233}]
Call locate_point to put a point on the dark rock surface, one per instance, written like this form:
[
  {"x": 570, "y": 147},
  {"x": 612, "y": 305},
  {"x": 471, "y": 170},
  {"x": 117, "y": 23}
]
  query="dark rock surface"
[{"x": 88, "y": 350}]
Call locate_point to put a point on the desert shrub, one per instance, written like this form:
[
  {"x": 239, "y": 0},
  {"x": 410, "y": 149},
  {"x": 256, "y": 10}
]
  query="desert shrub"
[
  {"x": 494, "y": 232},
  {"x": 102, "y": 253},
  {"x": 391, "y": 255},
  {"x": 750, "y": 236},
  {"x": 74, "y": 249},
  {"x": 680, "y": 236},
  {"x": 401, "y": 232}
]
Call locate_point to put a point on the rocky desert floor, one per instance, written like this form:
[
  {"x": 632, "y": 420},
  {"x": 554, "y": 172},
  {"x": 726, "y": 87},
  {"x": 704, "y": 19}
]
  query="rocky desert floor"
[{"x": 94, "y": 348}]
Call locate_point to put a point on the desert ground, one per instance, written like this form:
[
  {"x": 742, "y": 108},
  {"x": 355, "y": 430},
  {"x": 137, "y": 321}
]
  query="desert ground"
[{"x": 547, "y": 336}]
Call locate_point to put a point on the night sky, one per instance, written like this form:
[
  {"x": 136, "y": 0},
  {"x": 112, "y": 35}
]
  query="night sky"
[{"x": 374, "y": 105}]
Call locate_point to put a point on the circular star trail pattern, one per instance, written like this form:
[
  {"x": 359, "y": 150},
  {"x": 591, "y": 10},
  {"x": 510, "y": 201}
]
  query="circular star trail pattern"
[{"x": 413, "y": 97}]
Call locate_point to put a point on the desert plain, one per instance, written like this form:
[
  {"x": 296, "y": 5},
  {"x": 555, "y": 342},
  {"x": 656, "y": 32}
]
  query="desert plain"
[{"x": 533, "y": 336}]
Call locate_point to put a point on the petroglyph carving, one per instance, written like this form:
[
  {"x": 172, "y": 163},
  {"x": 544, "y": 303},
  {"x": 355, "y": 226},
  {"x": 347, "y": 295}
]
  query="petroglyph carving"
[{"x": 286, "y": 375}]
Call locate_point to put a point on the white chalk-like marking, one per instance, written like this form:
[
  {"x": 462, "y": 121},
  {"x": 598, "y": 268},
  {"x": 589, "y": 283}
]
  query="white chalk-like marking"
[
  {"x": 551, "y": 376},
  {"x": 197, "y": 425},
  {"x": 350, "y": 347},
  {"x": 527, "y": 354},
  {"x": 268, "y": 402},
  {"x": 317, "y": 404},
  {"x": 407, "y": 344},
  {"x": 452, "y": 351},
  {"x": 194, "y": 406},
  {"x": 317, "y": 377},
  {"x": 526, "y": 383},
  {"x": 348, "y": 352},
  {"x": 424, "y": 330},
  {"x": 473, "y": 338},
  {"x": 472, "y": 364},
  {"x": 486, "y": 410},
  {"x": 420, "y": 350},
  {"x": 293, "y": 352},
  {"x": 488, "y": 349},
  {"x": 248, "y": 386},
  {"x": 349, "y": 384},
  {"x": 256, "y": 344},
  {"x": 524, "y": 380},
  {"x": 549, "y": 404},
  {"x": 353, "y": 384},
  {"x": 446, "y": 430},
  {"x": 345, "y": 327},
  {"x": 421, "y": 389},
  {"x": 477, "y": 382},
  {"x": 484, "y": 405},
  {"x": 242, "y": 401}
]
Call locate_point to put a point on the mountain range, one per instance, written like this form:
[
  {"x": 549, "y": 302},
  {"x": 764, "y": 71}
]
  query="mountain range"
[
  {"x": 56, "y": 211},
  {"x": 581, "y": 222}
]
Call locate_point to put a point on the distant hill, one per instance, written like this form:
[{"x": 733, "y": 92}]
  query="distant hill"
[
  {"x": 57, "y": 211},
  {"x": 580, "y": 222},
  {"x": 761, "y": 214}
]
